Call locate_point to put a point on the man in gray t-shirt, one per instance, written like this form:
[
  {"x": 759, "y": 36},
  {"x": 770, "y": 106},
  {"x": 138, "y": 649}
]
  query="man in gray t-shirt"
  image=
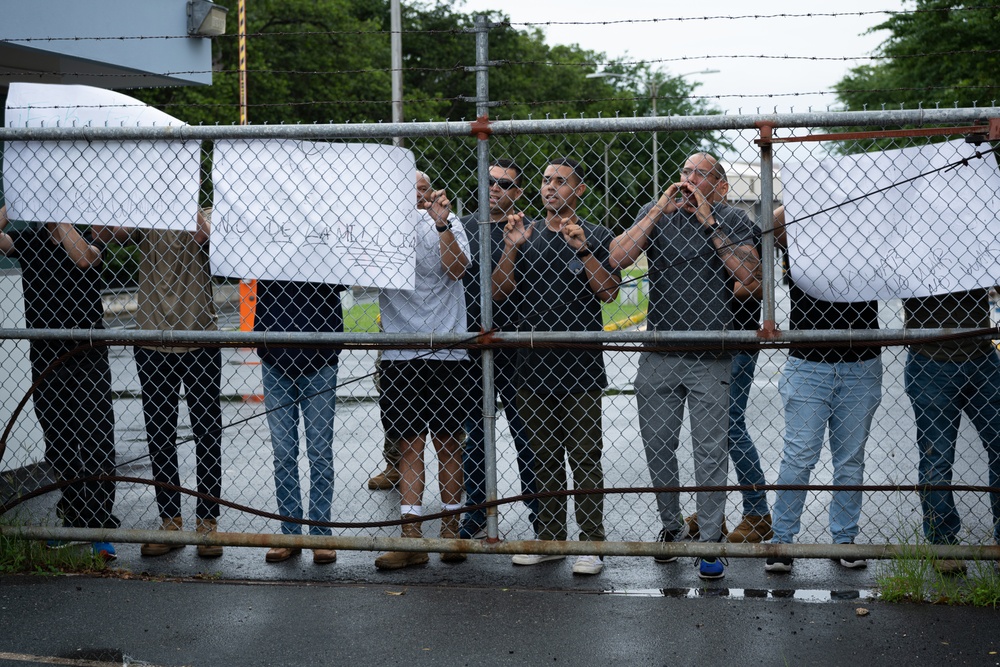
[{"x": 696, "y": 246}]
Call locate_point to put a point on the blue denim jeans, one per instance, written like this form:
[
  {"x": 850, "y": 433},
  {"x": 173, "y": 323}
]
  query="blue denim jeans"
[
  {"x": 315, "y": 397},
  {"x": 474, "y": 452},
  {"x": 842, "y": 396},
  {"x": 746, "y": 460},
  {"x": 940, "y": 392}
]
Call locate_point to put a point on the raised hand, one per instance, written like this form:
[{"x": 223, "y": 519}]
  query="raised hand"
[{"x": 516, "y": 232}]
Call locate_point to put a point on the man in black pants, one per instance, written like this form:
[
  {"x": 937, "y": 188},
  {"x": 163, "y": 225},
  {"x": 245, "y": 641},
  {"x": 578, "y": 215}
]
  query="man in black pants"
[{"x": 59, "y": 270}]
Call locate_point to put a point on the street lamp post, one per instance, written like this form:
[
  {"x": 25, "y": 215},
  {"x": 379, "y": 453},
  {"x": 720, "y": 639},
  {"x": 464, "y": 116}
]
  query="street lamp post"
[{"x": 653, "y": 86}]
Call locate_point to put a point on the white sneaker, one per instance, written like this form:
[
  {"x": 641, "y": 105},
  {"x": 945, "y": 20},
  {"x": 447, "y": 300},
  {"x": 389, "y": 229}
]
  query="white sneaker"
[
  {"x": 588, "y": 565},
  {"x": 535, "y": 559}
]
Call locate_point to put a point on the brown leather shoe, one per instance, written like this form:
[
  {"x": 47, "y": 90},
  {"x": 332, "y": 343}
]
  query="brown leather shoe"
[
  {"x": 280, "y": 554},
  {"x": 449, "y": 531},
  {"x": 156, "y": 549},
  {"x": 206, "y": 526},
  {"x": 385, "y": 480},
  {"x": 691, "y": 531},
  {"x": 395, "y": 560},
  {"x": 324, "y": 556},
  {"x": 753, "y": 528}
]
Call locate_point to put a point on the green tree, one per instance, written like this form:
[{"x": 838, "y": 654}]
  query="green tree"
[
  {"x": 328, "y": 61},
  {"x": 944, "y": 52}
]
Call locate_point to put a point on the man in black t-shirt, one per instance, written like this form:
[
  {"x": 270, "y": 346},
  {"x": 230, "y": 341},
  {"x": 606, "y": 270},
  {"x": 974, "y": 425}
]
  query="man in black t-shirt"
[
  {"x": 557, "y": 270},
  {"x": 60, "y": 276},
  {"x": 505, "y": 190},
  {"x": 836, "y": 387}
]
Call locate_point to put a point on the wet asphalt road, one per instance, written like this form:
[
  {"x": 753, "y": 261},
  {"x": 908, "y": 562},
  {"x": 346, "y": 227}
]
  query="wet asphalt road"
[{"x": 103, "y": 621}]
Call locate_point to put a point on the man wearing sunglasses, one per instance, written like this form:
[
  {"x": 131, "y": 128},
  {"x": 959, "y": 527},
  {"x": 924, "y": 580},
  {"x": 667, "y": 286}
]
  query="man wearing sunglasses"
[
  {"x": 697, "y": 246},
  {"x": 505, "y": 190}
]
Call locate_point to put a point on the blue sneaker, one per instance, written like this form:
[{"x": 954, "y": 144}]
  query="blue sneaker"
[
  {"x": 710, "y": 568},
  {"x": 60, "y": 544},
  {"x": 105, "y": 550}
]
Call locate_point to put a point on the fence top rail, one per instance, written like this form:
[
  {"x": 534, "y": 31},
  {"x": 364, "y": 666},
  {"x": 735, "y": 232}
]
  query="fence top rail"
[
  {"x": 883, "y": 118},
  {"x": 699, "y": 338}
]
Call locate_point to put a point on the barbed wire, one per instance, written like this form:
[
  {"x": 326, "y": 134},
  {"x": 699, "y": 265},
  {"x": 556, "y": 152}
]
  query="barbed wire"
[
  {"x": 784, "y": 15},
  {"x": 528, "y": 63},
  {"x": 466, "y": 30}
]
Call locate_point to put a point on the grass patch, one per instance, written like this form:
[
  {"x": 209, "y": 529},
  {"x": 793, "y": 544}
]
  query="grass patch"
[
  {"x": 361, "y": 318},
  {"x": 912, "y": 577},
  {"x": 631, "y": 302},
  {"x": 20, "y": 556}
]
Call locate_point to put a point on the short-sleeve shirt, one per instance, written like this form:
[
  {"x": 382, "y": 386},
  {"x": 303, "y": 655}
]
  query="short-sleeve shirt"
[
  {"x": 809, "y": 313},
  {"x": 554, "y": 294},
  {"x": 960, "y": 310},
  {"x": 689, "y": 285},
  {"x": 57, "y": 293},
  {"x": 297, "y": 307},
  {"x": 435, "y": 305},
  {"x": 175, "y": 283}
]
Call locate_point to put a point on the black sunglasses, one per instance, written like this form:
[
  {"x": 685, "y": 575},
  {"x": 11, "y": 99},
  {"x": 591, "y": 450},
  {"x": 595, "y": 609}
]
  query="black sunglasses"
[{"x": 502, "y": 183}]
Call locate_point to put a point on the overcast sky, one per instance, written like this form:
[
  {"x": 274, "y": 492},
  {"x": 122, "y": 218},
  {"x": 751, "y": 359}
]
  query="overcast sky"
[{"x": 837, "y": 36}]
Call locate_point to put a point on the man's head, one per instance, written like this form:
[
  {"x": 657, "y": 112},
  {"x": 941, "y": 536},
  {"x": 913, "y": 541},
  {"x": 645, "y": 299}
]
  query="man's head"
[
  {"x": 423, "y": 190},
  {"x": 505, "y": 187},
  {"x": 704, "y": 173},
  {"x": 562, "y": 186}
]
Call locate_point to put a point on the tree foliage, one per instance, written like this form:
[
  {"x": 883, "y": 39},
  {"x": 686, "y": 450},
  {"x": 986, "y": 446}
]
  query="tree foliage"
[
  {"x": 329, "y": 61},
  {"x": 943, "y": 53}
]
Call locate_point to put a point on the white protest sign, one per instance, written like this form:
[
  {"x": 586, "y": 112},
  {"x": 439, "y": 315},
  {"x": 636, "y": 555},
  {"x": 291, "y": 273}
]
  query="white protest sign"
[
  {"x": 314, "y": 212},
  {"x": 129, "y": 183},
  {"x": 937, "y": 233}
]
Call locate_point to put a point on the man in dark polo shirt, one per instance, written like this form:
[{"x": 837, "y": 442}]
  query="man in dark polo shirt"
[
  {"x": 696, "y": 245},
  {"x": 505, "y": 190}
]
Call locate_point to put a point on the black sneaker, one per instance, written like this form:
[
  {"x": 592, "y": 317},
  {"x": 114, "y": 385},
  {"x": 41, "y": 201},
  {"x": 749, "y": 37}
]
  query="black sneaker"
[
  {"x": 779, "y": 564},
  {"x": 665, "y": 536}
]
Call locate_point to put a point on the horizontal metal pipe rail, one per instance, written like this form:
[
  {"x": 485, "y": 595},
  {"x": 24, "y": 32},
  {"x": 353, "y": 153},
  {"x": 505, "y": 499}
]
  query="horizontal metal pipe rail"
[
  {"x": 882, "y": 118},
  {"x": 507, "y": 547},
  {"x": 510, "y": 338}
]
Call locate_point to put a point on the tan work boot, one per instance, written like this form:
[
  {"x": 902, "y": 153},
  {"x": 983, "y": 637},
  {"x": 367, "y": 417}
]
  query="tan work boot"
[
  {"x": 154, "y": 549},
  {"x": 204, "y": 527},
  {"x": 385, "y": 480},
  {"x": 692, "y": 532},
  {"x": 395, "y": 560},
  {"x": 449, "y": 531},
  {"x": 753, "y": 528}
]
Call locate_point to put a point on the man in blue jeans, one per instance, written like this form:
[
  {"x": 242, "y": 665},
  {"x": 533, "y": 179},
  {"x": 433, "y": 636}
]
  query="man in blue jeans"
[
  {"x": 835, "y": 387},
  {"x": 300, "y": 381},
  {"x": 944, "y": 379},
  {"x": 505, "y": 190}
]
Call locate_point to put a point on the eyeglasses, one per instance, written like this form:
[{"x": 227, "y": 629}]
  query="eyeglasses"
[
  {"x": 502, "y": 183},
  {"x": 688, "y": 173}
]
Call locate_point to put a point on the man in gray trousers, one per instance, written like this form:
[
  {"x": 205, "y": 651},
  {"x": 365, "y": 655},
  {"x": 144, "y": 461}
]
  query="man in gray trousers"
[{"x": 696, "y": 245}]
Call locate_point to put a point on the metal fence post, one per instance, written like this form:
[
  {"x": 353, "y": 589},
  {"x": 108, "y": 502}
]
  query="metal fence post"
[
  {"x": 767, "y": 224},
  {"x": 486, "y": 268}
]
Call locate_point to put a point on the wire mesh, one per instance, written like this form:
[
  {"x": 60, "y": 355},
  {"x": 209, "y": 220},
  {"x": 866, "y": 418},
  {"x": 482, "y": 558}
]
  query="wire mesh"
[{"x": 308, "y": 434}]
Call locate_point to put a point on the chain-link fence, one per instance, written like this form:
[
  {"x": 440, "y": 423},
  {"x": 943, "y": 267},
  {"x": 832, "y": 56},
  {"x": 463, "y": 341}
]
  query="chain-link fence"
[{"x": 253, "y": 330}]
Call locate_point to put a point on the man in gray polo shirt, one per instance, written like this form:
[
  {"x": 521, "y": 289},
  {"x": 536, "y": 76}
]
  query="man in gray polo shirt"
[{"x": 696, "y": 246}]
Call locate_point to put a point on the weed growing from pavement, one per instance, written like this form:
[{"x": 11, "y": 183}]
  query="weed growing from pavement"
[
  {"x": 911, "y": 577},
  {"x": 18, "y": 556}
]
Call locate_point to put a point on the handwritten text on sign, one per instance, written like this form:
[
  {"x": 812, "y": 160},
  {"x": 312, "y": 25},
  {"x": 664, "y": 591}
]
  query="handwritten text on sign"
[
  {"x": 129, "y": 183},
  {"x": 314, "y": 212},
  {"x": 938, "y": 232}
]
